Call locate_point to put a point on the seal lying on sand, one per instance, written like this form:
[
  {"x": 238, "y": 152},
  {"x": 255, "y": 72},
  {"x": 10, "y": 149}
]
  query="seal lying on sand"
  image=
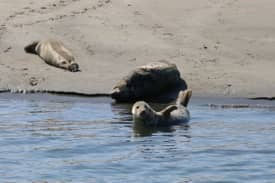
[
  {"x": 173, "y": 114},
  {"x": 53, "y": 53},
  {"x": 148, "y": 81}
]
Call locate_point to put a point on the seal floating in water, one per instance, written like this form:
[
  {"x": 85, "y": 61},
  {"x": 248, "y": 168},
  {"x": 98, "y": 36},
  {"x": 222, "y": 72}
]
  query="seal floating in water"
[
  {"x": 173, "y": 114},
  {"x": 148, "y": 81},
  {"x": 53, "y": 53}
]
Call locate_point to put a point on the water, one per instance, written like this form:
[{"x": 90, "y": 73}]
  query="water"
[{"x": 46, "y": 138}]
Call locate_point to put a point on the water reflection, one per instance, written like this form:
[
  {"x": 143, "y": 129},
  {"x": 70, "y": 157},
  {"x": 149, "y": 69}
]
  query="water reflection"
[
  {"x": 121, "y": 111},
  {"x": 141, "y": 130}
]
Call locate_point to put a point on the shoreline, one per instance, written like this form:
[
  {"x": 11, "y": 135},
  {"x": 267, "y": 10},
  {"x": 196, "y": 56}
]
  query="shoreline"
[
  {"x": 106, "y": 95},
  {"x": 65, "y": 93},
  {"x": 213, "y": 103}
]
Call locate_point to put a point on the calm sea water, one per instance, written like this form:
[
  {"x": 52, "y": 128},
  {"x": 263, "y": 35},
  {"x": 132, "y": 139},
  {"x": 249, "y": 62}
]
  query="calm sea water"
[{"x": 46, "y": 138}]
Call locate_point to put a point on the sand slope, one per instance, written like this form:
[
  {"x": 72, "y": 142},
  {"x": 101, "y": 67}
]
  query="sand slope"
[{"x": 223, "y": 48}]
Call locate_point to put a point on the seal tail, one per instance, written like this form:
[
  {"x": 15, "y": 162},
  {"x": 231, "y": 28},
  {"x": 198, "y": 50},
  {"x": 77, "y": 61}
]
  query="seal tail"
[
  {"x": 31, "y": 47},
  {"x": 184, "y": 97}
]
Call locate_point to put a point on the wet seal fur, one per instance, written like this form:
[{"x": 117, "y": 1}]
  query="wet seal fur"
[
  {"x": 53, "y": 53},
  {"x": 173, "y": 114},
  {"x": 148, "y": 81}
]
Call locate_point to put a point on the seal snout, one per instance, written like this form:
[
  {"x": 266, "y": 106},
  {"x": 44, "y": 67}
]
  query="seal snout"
[
  {"x": 115, "y": 92},
  {"x": 74, "y": 67},
  {"x": 144, "y": 114}
]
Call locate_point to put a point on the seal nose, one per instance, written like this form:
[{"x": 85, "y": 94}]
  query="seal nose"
[
  {"x": 142, "y": 113},
  {"x": 74, "y": 67}
]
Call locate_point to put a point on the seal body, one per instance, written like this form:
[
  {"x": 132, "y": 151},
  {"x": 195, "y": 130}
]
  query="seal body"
[
  {"x": 148, "y": 81},
  {"x": 54, "y": 53},
  {"x": 173, "y": 114}
]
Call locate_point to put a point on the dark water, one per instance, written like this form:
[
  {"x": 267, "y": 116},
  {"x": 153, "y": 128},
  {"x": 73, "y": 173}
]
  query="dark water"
[{"x": 69, "y": 139}]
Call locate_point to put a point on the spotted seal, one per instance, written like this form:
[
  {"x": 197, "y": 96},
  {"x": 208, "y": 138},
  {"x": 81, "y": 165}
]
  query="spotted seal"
[
  {"x": 53, "y": 53},
  {"x": 173, "y": 114}
]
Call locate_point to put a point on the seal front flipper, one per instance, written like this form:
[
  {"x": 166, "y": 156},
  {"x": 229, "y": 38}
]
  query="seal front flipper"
[
  {"x": 167, "y": 111},
  {"x": 30, "y": 48},
  {"x": 184, "y": 97}
]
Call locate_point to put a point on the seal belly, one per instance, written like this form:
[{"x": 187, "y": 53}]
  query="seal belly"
[
  {"x": 62, "y": 51},
  {"x": 45, "y": 51}
]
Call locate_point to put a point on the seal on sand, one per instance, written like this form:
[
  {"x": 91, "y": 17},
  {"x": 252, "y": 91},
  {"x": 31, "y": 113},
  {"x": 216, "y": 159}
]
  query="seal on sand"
[
  {"x": 53, "y": 53},
  {"x": 148, "y": 81},
  {"x": 173, "y": 114}
]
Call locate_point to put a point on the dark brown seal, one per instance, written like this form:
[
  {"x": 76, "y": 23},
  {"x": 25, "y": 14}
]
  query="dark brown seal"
[{"x": 148, "y": 81}]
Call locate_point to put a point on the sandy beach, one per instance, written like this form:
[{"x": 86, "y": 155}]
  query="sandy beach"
[{"x": 222, "y": 48}]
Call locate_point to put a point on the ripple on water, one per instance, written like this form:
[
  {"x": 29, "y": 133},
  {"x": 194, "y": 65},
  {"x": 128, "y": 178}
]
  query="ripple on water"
[{"x": 68, "y": 139}]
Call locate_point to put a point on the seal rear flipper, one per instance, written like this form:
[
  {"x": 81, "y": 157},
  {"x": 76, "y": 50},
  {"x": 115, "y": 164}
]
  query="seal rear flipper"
[
  {"x": 31, "y": 47},
  {"x": 167, "y": 111},
  {"x": 184, "y": 97}
]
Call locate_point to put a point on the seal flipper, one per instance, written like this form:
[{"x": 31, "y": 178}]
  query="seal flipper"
[
  {"x": 167, "y": 111},
  {"x": 184, "y": 97},
  {"x": 31, "y": 47}
]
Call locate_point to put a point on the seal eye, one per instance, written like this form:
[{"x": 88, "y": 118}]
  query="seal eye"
[
  {"x": 63, "y": 62},
  {"x": 137, "y": 107}
]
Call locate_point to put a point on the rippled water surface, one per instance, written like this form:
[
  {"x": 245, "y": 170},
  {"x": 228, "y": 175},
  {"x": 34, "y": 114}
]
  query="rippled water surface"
[{"x": 70, "y": 139}]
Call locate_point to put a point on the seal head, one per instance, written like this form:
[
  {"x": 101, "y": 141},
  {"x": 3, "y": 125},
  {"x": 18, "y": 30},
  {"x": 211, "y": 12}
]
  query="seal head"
[
  {"x": 142, "y": 112},
  {"x": 73, "y": 67}
]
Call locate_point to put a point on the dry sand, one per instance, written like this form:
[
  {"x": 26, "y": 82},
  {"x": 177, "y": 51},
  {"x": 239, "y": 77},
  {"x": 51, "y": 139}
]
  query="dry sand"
[{"x": 221, "y": 47}]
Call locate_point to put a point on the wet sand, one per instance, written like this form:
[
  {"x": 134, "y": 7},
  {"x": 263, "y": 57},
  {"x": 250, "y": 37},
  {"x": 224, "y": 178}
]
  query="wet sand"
[{"x": 222, "y": 48}]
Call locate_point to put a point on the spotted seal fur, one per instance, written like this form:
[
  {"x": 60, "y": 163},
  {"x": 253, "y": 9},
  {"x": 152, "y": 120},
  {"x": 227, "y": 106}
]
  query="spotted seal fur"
[{"x": 173, "y": 114}]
